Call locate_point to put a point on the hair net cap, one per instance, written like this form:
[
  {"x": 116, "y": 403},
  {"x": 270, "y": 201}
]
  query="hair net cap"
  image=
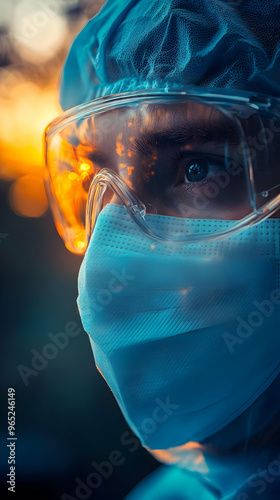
[{"x": 132, "y": 45}]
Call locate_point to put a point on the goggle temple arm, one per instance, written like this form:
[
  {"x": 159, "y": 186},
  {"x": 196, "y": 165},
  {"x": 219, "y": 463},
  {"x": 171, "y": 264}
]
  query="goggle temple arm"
[{"x": 106, "y": 178}]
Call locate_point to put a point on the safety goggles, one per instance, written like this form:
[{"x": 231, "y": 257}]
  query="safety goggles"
[{"x": 192, "y": 155}]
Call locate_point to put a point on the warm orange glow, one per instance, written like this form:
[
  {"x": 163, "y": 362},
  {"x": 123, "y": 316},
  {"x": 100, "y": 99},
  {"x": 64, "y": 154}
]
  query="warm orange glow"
[
  {"x": 130, "y": 170},
  {"x": 190, "y": 455},
  {"x": 26, "y": 110},
  {"x": 120, "y": 148},
  {"x": 164, "y": 456},
  {"x": 84, "y": 167},
  {"x": 27, "y": 196},
  {"x": 187, "y": 147},
  {"x": 79, "y": 245},
  {"x": 73, "y": 176},
  {"x": 71, "y": 173},
  {"x": 29, "y": 94},
  {"x": 129, "y": 183}
]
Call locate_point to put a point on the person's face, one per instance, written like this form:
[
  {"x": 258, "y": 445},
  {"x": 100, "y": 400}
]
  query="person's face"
[
  {"x": 165, "y": 331},
  {"x": 182, "y": 160},
  {"x": 188, "y": 160}
]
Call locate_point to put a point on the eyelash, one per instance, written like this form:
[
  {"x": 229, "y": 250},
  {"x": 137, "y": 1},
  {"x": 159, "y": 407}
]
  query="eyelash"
[
  {"x": 188, "y": 157},
  {"x": 143, "y": 147}
]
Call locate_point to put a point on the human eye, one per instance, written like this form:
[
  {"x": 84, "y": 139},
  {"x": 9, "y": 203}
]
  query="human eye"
[
  {"x": 200, "y": 169},
  {"x": 196, "y": 168}
]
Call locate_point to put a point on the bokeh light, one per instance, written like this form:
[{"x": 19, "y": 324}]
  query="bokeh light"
[
  {"x": 25, "y": 110},
  {"x": 35, "y": 36},
  {"x": 27, "y": 196},
  {"x": 32, "y": 24},
  {"x": 60, "y": 431}
]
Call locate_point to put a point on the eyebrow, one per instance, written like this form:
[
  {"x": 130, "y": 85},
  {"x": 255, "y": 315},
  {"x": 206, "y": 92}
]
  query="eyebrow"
[
  {"x": 192, "y": 131},
  {"x": 99, "y": 158}
]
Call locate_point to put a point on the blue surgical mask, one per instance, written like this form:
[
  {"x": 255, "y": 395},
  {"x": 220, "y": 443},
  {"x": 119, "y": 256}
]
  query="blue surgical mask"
[{"x": 187, "y": 337}]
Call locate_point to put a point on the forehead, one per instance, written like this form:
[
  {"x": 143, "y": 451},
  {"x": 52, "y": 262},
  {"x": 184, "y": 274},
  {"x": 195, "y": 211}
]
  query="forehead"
[
  {"x": 148, "y": 115},
  {"x": 183, "y": 120}
]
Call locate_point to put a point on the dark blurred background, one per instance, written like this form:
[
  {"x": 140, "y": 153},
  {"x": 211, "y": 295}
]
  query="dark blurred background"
[{"x": 66, "y": 416}]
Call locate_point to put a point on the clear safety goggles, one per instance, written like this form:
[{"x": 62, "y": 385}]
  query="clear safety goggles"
[{"x": 192, "y": 155}]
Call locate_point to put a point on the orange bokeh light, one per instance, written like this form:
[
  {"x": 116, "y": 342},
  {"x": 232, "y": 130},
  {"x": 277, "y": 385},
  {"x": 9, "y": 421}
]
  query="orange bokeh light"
[
  {"x": 27, "y": 196},
  {"x": 25, "y": 109}
]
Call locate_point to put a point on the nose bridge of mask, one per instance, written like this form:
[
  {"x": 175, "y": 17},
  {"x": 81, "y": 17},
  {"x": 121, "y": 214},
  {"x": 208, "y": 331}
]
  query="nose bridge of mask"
[{"x": 115, "y": 229}]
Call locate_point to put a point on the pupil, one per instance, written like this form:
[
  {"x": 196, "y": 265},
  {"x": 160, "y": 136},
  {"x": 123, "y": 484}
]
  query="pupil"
[{"x": 196, "y": 171}]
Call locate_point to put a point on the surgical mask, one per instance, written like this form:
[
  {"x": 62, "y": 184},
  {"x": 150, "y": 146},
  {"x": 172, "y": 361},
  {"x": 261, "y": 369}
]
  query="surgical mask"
[{"x": 186, "y": 336}]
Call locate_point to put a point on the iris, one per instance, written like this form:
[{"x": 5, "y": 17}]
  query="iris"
[{"x": 197, "y": 171}]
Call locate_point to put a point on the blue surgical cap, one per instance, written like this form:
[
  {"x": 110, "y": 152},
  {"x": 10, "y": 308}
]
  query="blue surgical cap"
[{"x": 139, "y": 44}]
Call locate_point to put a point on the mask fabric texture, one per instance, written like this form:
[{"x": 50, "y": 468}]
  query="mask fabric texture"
[
  {"x": 240, "y": 462},
  {"x": 132, "y": 45},
  {"x": 187, "y": 337}
]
